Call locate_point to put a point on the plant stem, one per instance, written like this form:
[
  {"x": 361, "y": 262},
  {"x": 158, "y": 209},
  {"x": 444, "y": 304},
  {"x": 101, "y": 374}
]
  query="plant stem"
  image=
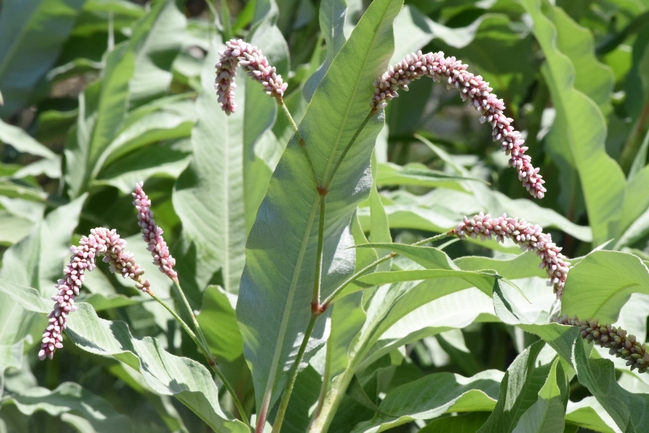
[
  {"x": 317, "y": 281},
  {"x": 286, "y": 396},
  {"x": 201, "y": 343},
  {"x": 328, "y": 402},
  {"x": 332, "y": 297}
]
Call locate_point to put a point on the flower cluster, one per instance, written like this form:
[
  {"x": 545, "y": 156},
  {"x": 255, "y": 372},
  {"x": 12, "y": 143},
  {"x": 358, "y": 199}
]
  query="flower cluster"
[
  {"x": 529, "y": 237},
  {"x": 615, "y": 339},
  {"x": 252, "y": 60},
  {"x": 100, "y": 242},
  {"x": 472, "y": 87},
  {"x": 152, "y": 234}
]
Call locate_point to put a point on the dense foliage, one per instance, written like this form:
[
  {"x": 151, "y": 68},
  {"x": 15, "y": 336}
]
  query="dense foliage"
[{"x": 337, "y": 260}]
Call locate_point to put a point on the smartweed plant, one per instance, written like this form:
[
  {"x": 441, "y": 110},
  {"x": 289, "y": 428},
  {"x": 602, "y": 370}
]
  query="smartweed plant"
[{"x": 312, "y": 283}]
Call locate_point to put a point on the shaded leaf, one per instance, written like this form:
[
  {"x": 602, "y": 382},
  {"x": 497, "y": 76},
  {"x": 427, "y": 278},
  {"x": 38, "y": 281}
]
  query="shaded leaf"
[
  {"x": 33, "y": 33},
  {"x": 71, "y": 398}
]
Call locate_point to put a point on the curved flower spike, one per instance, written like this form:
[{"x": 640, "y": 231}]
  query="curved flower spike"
[
  {"x": 529, "y": 237},
  {"x": 472, "y": 87},
  {"x": 615, "y": 339},
  {"x": 152, "y": 234},
  {"x": 252, "y": 60},
  {"x": 100, "y": 242}
]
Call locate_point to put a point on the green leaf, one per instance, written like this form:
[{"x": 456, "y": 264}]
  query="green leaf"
[
  {"x": 273, "y": 317},
  {"x": 23, "y": 142},
  {"x": 591, "y": 77},
  {"x": 36, "y": 261},
  {"x": 71, "y": 398},
  {"x": 522, "y": 388},
  {"x": 168, "y": 118},
  {"x": 166, "y": 374},
  {"x": 636, "y": 203},
  {"x": 219, "y": 324},
  {"x": 600, "y": 284},
  {"x": 579, "y": 132},
  {"x": 588, "y": 413},
  {"x": 102, "y": 108},
  {"x": 511, "y": 71},
  {"x": 348, "y": 315},
  {"x": 479, "y": 279},
  {"x": 598, "y": 375},
  {"x": 20, "y": 191},
  {"x": 434, "y": 395},
  {"x": 331, "y": 17},
  {"x": 208, "y": 194},
  {"x": 11, "y": 356},
  {"x": 462, "y": 423},
  {"x": 547, "y": 413},
  {"x": 33, "y": 32},
  {"x": 156, "y": 40},
  {"x": 169, "y": 159},
  {"x": 418, "y": 175}
]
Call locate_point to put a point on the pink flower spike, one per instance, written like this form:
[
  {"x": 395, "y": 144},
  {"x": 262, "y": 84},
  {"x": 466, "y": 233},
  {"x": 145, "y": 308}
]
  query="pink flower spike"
[
  {"x": 100, "y": 242},
  {"x": 152, "y": 234},
  {"x": 253, "y": 61},
  {"x": 472, "y": 87},
  {"x": 529, "y": 237}
]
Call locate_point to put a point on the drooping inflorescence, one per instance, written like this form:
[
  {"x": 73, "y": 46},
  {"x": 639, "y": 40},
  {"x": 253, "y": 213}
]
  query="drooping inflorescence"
[
  {"x": 613, "y": 338},
  {"x": 472, "y": 87},
  {"x": 252, "y": 60},
  {"x": 529, "y": 237},
  {"x": 100, "y": 242},
  {"x": 152, "y": 234}
]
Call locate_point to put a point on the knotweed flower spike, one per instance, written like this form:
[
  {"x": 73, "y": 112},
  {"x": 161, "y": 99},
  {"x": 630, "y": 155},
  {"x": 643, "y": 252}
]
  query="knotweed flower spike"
[
  {"x": 252, "y": 60},
  {"x": 100, "y": 242},
  {"x": 615, "y": 339},
  {"x": 152, "y": 234},
  {"x": 529, "y": 237},
  {"x": 472, "y": 87}
]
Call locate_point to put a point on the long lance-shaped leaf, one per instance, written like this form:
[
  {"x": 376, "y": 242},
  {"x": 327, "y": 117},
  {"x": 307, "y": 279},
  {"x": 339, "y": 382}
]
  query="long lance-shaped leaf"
[
  {"x": 208, "y": 194},
  {"x": 581, "y": 127},
  {"x": 104, "y": 104},
  {"x": 274, "y": 305}
]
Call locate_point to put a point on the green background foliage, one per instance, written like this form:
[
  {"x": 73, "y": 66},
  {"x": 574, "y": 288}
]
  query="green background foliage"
[{"x": 447, "y": 336}]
